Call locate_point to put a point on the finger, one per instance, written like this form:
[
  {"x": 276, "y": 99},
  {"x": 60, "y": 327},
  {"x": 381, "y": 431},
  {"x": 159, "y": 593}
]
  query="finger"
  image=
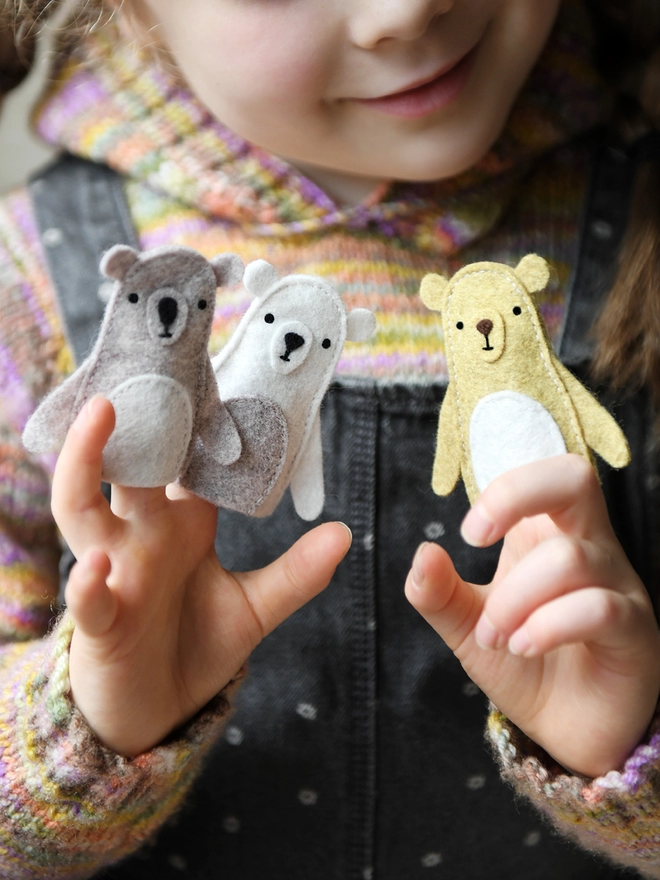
[
  {"x": 91, "y": 603},
  {"x": 79, "y": 508},
  {"x": 590, "y": 615},
  {"x": 444, "y": 600},
  {"x": 554, "y": 568},
  {"x": 279, "y": 589},
  {"x": 129, "y": 502},
  {"x": 564, "y": 487}
]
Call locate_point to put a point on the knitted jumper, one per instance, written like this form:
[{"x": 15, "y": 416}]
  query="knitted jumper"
[{"x": 69, "y": 806}]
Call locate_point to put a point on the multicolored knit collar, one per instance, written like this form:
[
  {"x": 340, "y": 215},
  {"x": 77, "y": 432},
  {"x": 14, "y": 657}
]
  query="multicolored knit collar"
[{"x": 110, "y": 104}]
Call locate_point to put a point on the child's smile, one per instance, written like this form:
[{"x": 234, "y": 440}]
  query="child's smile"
[
  {"x": 357, "y": 91},
  {"x": 428, "y": 95}
]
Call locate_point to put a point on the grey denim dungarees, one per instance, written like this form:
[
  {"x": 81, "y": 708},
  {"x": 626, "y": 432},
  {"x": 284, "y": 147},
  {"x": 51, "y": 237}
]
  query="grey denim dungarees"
[{"x": 356, "y": 750}]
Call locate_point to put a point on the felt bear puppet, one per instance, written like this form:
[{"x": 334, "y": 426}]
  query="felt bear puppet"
[
  {"x": 510, "y": 400},
  {"x": 273, "y": 374},
  {"x": 150, "y": 360}
]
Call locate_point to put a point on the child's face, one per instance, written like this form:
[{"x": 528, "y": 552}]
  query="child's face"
[{"x": 353, "y": 91}]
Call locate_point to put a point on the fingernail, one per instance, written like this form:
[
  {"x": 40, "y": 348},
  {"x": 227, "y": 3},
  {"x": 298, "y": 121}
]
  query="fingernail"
[
  {"x": 416, "y": 570},
  {"x": 340, "y": 523},
  {"x": 477, "y": 528},
  {"x": 520, "y": 644},
  {"x": 91, "y": 407},
  {"x": 487, "y": 636}
]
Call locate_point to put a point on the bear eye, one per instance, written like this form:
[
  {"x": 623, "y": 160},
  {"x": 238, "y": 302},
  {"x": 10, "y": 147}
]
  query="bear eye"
[
  {"x": 459, "y": 326},
  {"x": 517, "y": 310},
  {"x": 269, "y": 318},
  {"x": 326, "y": 343},
  {"x": 201, "y": 304},
  {"x": 133, "y": 297}
]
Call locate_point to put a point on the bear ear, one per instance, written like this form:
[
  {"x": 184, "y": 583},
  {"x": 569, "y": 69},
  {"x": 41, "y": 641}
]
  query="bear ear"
[
  {"x": 259, "y": 277},
  {"x": 534, "y": 272},
  {"x": 116, "y": 262},
  {"x": 360, "y": 324},
  {"x": 432, "y": 291},
  {"x": 227, "y": 268}
]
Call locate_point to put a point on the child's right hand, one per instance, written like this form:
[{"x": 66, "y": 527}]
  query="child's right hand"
[{"x": 160, "y": 626}]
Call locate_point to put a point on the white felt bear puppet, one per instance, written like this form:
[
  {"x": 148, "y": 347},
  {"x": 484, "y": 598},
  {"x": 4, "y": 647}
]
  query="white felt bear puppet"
[
  {"x": 151, "y": 361},
  {"x": 272, "y": 376}
]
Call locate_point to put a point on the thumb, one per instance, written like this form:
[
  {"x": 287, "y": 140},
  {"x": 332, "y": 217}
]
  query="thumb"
[
  {"x": 279, "y": 589},
  {"x": 434, "y": 588}
]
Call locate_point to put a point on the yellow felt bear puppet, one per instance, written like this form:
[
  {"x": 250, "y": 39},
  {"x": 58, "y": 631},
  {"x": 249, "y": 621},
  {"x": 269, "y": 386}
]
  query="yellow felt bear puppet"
[{"x": 510, "y": 401}]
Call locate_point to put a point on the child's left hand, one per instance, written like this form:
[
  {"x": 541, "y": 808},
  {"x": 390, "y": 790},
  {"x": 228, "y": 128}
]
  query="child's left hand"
[{"x": 564, "y": 641}]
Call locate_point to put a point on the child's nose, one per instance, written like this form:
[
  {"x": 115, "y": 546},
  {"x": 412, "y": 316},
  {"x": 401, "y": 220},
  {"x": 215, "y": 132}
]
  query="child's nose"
[{"x": 374, "y": 21}]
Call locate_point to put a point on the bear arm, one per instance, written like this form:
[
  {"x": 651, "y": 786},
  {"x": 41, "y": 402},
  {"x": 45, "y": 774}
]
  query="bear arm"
[
  {"x": 47, "y": 427},
  {"x": 306, "y": 484},
  {"x": 215, "y": 426},
  {"x": 601, "y": 431},
  {"x": 447, "y": 463}
]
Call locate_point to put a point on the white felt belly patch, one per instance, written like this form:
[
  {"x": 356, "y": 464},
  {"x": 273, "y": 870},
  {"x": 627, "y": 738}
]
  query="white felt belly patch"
[
  {"x": 154, "y": 421},
  {"x": 508, "y": 429}
]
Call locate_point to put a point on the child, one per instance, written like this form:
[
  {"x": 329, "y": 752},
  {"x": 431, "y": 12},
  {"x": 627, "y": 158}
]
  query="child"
[{"x": 274, "y": 129}]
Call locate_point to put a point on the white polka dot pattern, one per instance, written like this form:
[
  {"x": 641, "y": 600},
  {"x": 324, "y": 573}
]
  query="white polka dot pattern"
[
  {"x": 434, "y": 530},
  {"x": 234, "y": 736},
  {"x": 231, "y": 824},
  {"x": 307, "y": 711},
  {"x": 431, "y": 860}
]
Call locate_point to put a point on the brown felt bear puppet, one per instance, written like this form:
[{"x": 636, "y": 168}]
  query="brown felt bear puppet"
[{"x": 510, "y": 401}]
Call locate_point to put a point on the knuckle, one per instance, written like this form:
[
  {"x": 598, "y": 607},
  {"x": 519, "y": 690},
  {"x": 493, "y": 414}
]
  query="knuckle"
[
  {"x": 569, "y": 555},
  {"x": 60, "y": 505},
  {"x": 293, "y": 568},
  {"x": 502, "y": 496},
  {"x": 585, "y": 479},
  {"x": 606, "y": 608}
]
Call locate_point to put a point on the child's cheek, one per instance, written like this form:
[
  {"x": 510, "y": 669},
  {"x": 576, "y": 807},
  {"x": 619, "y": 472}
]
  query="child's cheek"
[{"x": 269, "y": 56}]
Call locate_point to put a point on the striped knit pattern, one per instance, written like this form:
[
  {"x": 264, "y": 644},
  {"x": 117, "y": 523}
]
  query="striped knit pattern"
[
  {"x": 616, "y": 814},
  {"x": 68, "y": 800}
]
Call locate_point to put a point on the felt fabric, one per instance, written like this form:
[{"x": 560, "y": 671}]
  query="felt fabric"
[
  {"x": 508, "y": 429},
  {"x": 284, "y": 350},
  {"x": 509, "y": 401},
  {"x": 150, "y": 360},
  {"x": 245, "y": 484}
]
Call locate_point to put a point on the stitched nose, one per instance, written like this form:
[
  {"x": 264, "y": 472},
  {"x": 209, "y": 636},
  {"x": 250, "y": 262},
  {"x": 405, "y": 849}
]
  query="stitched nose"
[
  {"x": 292, "y": 342},
  {"x": 485, "y": 327},
  {"x": 167, "y": 310}
]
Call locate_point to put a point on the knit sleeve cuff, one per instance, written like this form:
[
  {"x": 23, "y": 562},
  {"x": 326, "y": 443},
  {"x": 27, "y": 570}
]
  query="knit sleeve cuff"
[
  {"x": 616, "y": 815},
  {"x": 76, "y": 804}
]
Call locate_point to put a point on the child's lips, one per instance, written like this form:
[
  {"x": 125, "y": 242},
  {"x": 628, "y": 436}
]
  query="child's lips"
[{"x": 430, "y": 95}]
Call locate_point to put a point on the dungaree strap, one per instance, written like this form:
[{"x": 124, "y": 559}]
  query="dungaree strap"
[
  {"x": 604, "y": 221},
  {"x": 81, "y": 211}
]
